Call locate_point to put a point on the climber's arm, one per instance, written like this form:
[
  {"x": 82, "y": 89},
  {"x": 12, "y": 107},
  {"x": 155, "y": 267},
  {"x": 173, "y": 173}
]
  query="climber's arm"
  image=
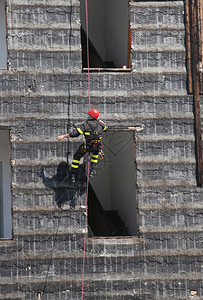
[{"x": 63, "y": 136}]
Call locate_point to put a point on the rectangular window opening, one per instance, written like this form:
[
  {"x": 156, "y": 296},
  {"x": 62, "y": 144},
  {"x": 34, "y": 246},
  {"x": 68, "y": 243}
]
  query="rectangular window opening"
[
  {"x": 5, "y": 187},
  {"x": 3, "y": 33},
  {"x": 112, "y": 201},
  {"x": 109, "y": 35}
]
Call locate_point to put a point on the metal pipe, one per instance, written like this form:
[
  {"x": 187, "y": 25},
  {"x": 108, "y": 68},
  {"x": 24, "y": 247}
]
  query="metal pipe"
[
  {"x": 194, "y": 4},
  {"x": 188, "y": 46}
]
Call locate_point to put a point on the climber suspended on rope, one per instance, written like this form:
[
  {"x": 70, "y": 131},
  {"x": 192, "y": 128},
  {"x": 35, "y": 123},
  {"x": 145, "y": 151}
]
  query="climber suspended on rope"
[{"x": 92, "y": 130}]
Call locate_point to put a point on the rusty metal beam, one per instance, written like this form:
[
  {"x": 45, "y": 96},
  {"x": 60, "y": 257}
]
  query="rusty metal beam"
[
  {"x": 201, "y": 27},
  {"x": 200, "y": 18},
  {"x": 194, "y": 5},
  {"x": 188, "y": 46}
]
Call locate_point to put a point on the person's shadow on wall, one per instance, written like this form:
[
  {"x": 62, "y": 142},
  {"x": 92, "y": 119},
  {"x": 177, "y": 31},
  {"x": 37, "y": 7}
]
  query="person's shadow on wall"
[{"x": 66, "y": 190}]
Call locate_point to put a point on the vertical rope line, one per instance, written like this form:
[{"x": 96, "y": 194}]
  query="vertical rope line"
[
  {"x": 88, "y": 58},
  {"x": 88, "y": 168},
  {"x": 83, "y": 267}
]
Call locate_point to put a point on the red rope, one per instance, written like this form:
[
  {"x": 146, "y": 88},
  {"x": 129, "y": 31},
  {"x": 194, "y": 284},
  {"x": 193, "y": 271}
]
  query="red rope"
[
  {"x": 88, "y": 169},
  {"x": 83, "y": 268},
  {"x": 88, "y": 58}
]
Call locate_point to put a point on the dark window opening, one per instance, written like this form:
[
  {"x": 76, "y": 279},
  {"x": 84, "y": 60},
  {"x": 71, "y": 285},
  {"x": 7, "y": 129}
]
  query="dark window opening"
[
  {"x": 109, "y": 34},
  {"x": 5, "y": 183},
  {"x": 3, "y": 46},
  {"x": 112, "y": 203}
]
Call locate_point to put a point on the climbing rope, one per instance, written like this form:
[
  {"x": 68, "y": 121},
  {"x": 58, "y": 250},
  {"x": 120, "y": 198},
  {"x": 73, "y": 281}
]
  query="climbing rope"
[
  {"x": 88, "y": 169},
  {"x": 42, "y": 293},
  {"x": 88, "y": 58},
  {"x": 83, "y": 267}
]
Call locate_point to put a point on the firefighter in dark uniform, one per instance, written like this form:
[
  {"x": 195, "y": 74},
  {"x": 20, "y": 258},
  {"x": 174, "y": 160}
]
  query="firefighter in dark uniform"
[{"x": 92, "y": 130}]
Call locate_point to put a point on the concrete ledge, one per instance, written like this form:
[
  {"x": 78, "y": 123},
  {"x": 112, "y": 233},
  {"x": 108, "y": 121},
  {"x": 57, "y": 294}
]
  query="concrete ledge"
[
  {"x": 164, "y": 138},
  {"x": 170, "y": 229},
  {"x": 42, "y": 3},
  {"x": 190, "y": 183},
  {"x": 111, "y": 277},
  {"x": 146, "y": 4},
  {"x": 41, "y": 256},
  {"x": 31, "y": 233},
  {"x": 141, "y": 160},
  {"x": 49, "y": 209},
  {"x": 54, "y": 26},
  {"x": 94, "y": 93},
  {"x": 63, "y": 116},
  {"x": 167, "y": 207},
  {"x": 165, "y": 160},
  {"x": 158, "y": 48},
  {"x": 156, "y": 27}
]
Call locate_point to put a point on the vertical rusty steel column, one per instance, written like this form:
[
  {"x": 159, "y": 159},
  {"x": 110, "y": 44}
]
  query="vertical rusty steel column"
[
  {"x": 136, "y": 184},
  {"x": 194, "y": 4},
  {"x": 129, "y": 39},
  {"x": 188, "y": 46},
  {"x": 200, "y": 19},
  {"x": 201, "y": 27}
]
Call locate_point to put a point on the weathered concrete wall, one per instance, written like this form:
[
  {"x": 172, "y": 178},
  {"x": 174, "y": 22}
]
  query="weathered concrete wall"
[{"x": 42, "y": 93}]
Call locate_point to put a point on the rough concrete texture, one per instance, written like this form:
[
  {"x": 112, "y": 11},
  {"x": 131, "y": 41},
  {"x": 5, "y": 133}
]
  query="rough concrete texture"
[{"x": 43, "y": 93}]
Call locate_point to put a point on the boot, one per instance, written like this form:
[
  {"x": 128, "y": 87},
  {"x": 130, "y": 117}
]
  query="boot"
[
  {"x": 72, "y": 177},
  {"x": 92, "y": 173}
]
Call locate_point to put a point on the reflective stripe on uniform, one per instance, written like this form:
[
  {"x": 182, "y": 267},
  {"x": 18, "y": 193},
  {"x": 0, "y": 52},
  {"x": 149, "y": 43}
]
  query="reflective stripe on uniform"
[
  {"x": 94, "y": 161},
  {"x": 79, "y": 130},
  {"x": 104, "y": 128},
  {"x": 95, "y": 156},
  {"x": 76, "y": 161},
  {"x": 86, "y": 133},
  {"x": 74, "y": 166}
]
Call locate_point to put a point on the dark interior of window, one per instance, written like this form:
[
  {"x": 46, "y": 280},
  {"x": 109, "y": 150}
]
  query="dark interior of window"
[
  {"x": 108, "y": 32},
  {"x": 1, "y": 201},
  {"x": 3, "y": 46},
  {"x": 5, "y": 186},
  {"x": 112, "y": 203}
]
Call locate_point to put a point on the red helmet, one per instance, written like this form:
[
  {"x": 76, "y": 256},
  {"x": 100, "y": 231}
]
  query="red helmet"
[{"x": 93, "y": 113}]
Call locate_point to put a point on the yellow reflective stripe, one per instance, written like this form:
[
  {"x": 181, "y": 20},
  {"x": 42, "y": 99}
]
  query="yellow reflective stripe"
[
  {"x": 104, "y": 128},
  {"x": 86, "y": 133},
  {"x": 73, "y": 166},
  {"x": 94, "y": 161},
  {"x": 100, "y": 138},
  {"x": 76, "y": 161},
  {"x": 79, "y": 130},
  {"x": 95, "y": 156}
]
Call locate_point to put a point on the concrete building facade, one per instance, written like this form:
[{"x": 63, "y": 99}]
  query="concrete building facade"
[{"x": 44, "y": 91}]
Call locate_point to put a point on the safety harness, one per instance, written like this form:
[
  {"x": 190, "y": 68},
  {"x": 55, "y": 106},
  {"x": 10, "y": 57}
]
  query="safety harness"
[{"x": 94, "y": 137}]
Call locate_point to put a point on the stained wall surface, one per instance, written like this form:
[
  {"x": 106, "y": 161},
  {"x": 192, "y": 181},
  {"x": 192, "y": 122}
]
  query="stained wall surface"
[{"x": 43, "y": 94}]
